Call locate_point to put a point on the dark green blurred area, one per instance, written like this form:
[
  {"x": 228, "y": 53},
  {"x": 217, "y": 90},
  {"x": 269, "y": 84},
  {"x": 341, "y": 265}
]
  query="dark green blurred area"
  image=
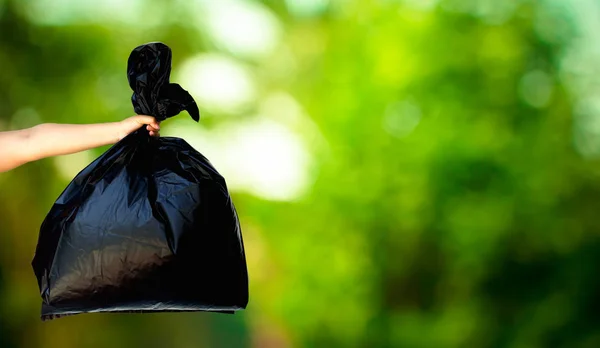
[{"x": 453, "y": 148}]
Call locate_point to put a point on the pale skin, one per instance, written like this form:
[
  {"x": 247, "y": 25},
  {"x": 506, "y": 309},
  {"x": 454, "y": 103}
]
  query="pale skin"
[{"x": 22, "y": 146}]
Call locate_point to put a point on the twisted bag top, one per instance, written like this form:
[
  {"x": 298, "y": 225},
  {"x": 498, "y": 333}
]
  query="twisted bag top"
[{"x": 148, "y": 71}]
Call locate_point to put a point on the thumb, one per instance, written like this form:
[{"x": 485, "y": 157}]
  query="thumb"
[
  {"x": 141, "y": 120},
  {"x": 144, "y": 119}
]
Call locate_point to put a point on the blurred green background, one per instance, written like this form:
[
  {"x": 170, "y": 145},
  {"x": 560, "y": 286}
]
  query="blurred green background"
[{"x": 417, "y": 173}]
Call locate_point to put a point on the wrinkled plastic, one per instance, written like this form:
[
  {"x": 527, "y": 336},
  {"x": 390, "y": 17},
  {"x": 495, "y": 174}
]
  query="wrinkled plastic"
[
  {"x": 149, "y": 226},
  {"x": 148, "y": 72}
]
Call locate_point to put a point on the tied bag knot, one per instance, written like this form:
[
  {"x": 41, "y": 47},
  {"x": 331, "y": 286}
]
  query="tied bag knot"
[{"x": 148, "y": 72}]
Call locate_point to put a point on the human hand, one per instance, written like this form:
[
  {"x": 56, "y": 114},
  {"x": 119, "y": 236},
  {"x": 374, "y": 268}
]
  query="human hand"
[{"x": 133, "y": 123}]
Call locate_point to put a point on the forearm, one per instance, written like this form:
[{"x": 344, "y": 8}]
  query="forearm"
[
  {"x": 47, "y": 140},
  {"x": 50, "y": 139}
]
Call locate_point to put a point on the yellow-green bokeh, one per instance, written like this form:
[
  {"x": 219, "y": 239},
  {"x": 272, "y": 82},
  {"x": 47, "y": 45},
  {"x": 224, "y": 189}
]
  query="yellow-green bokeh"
[{"x": 407, "y": 173}]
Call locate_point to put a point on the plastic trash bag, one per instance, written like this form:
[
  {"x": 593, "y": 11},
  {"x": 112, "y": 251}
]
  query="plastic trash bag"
[{"x": 149, "y": 226}]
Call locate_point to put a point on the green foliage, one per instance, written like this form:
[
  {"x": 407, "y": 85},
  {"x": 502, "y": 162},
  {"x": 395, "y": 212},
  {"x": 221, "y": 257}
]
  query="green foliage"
[{"x": 449, "y": 203}]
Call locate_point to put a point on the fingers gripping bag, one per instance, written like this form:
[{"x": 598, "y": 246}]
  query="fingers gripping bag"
[{"x": 149, "y": 226}]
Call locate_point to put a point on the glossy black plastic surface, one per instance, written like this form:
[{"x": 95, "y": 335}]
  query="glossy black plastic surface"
[
  {"x": 149, "y": 226},
  {"x": 148, "y": 72}
]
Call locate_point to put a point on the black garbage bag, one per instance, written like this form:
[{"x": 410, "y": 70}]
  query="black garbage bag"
[{"x": 149, "y": 226}]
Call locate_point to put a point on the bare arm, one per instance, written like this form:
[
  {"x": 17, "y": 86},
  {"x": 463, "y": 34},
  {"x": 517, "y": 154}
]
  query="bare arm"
[{"x": 47, "y": 140}]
